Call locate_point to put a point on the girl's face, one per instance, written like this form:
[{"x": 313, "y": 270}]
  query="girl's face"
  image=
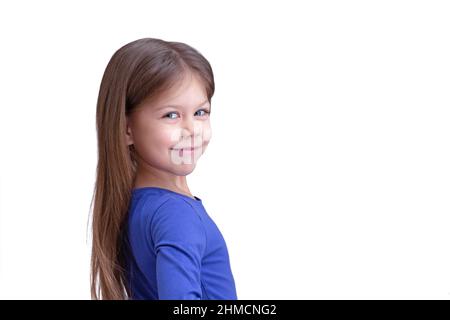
[{"x": 171, "y": 133}]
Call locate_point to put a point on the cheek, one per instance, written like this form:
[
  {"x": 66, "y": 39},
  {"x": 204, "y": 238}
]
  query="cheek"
[
  {"x": 153, "y": 142},
  {"x": 165, "y": 137},
  {"x": 207, "y": 132}
]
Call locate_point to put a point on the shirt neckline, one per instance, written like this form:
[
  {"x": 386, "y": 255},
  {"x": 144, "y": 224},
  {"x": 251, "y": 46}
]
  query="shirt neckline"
[{"x": 197, "y": 199}]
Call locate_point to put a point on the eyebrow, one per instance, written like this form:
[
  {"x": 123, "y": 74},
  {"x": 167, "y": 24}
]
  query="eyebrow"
[{"x": 179, "y": 106}]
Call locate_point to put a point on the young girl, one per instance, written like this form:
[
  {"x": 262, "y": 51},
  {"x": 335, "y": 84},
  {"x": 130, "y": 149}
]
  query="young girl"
[{"x": 153, "y": 239}]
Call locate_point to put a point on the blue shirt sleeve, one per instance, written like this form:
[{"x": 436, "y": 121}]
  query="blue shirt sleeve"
[{"x": 179, "y": 240}]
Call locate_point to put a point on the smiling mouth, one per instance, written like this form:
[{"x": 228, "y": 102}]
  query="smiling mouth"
[{"x": 186, "y": 149}]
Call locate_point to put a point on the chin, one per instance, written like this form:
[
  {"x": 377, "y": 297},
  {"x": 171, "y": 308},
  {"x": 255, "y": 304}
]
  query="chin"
[{"x": 183, "y": 169}]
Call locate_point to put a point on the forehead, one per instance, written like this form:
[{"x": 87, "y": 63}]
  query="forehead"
[{"x": 188, "y": 93}]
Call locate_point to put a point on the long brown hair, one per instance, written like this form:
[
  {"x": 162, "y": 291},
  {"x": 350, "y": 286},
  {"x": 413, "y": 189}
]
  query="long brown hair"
[{"x": 142, "y": 69}]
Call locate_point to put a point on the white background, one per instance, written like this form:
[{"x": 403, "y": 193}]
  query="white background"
[{"x": 329, "y": 168}]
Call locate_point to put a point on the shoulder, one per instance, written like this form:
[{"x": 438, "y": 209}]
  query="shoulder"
[
  {"x": 169, "y": 207},
  {"x": 176, "y": 219},
  {"x": 151, "y": 203}
]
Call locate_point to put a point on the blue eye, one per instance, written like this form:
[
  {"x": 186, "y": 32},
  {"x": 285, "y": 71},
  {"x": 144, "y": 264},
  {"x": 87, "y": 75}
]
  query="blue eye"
[
  {"x": 169, "y": 114},
  {"x": 205, "y": 112}
]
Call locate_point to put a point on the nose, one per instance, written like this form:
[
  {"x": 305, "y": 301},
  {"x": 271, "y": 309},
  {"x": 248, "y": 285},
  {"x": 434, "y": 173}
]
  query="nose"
[
  {"x": 192, "y": 130},
  {"x": 188, "y": 126}
]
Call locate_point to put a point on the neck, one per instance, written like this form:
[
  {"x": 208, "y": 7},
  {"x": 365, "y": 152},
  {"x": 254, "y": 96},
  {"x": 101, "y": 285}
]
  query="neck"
[{"x": 153, "y": 177}]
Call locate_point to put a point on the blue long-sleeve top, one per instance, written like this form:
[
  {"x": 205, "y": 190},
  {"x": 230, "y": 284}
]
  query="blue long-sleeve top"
[{"x": 177, "y": 251}]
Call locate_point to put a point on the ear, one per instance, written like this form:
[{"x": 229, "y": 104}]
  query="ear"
[{"x": 128, "y": 134}]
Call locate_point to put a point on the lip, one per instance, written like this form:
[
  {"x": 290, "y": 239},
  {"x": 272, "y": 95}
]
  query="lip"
[
  {"x": 187, "y": 148},
  {"x": 187, "y": 151}
]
